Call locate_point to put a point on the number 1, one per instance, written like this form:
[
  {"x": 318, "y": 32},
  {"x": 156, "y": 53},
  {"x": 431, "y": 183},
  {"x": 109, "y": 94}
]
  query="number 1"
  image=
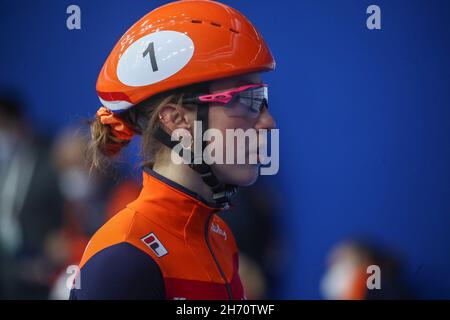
[{"x": 151, "y": 51}]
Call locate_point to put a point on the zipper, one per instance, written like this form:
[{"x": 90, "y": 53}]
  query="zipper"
[{"x": 227, "y": 285}]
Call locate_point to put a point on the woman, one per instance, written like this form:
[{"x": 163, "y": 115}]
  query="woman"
[{"x": 185, "y": 61}]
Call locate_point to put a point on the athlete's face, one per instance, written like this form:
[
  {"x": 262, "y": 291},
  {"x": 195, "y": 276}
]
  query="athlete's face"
[{"x": 222, "y": 118}]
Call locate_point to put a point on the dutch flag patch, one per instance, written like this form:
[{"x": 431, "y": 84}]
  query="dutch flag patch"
[{"x": 153, "y": 243}]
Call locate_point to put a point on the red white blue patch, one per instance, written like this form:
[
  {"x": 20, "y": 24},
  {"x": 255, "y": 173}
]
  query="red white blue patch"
[{"x": 153, "y": 243}]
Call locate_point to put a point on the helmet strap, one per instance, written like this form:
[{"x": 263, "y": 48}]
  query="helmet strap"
[{"x": 221, "y": 192}]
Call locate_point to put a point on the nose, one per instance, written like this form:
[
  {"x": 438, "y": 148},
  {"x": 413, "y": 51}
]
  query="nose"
[{"x": 265, "y": 121}]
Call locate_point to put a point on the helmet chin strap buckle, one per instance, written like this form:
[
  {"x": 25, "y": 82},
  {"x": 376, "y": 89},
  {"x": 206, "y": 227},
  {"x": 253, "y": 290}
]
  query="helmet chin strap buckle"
[
  {"x": 221, "y": 192},
  {"x": 223, "y": 197}
]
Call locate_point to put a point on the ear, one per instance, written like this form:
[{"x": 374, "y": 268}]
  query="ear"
[{"x": 174, "y": 117}]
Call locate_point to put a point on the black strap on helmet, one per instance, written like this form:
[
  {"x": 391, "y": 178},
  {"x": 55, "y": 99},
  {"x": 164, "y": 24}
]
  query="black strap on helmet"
[{"x": 221, "y": 192}]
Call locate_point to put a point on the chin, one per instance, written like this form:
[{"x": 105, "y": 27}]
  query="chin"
[{"x": 238, "y": 174}]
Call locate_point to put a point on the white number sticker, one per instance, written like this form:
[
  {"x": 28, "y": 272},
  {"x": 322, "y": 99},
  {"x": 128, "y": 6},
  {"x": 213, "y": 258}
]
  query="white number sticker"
[{"x": 154, "y": 57}]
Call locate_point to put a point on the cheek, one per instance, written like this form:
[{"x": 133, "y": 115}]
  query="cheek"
[{"x": 218, "y": 119}]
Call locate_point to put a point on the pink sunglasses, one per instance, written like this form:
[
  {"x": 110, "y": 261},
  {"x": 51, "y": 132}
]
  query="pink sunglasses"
[{"x": 241, "y": 101}]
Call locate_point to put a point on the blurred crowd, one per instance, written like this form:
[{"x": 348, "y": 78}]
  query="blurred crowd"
[{"x": 50, "y": 204}]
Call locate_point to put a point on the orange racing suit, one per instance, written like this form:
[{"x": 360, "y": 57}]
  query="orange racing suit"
[{"x": 167, "y": 244}]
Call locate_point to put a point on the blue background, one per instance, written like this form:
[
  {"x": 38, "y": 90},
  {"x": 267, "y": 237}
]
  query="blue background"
[{"x": 364, "y": 116}]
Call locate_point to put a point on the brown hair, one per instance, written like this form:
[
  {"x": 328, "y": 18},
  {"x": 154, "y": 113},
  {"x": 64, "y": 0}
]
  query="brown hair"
[{"x": 143, "y": 119}]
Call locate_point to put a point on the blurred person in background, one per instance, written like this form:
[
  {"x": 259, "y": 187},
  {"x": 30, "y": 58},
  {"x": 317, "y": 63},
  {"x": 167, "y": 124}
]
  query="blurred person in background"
[
  {"x": 89, "y": 198},
  {"x": 347, "y": 273},
  {"x": 124, "y": 192},
  {"x": 30, "y": 206}
]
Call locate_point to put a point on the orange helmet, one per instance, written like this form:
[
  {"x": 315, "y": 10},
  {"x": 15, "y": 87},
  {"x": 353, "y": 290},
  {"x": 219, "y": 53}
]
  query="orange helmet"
[{"x": 179, "y": 44}]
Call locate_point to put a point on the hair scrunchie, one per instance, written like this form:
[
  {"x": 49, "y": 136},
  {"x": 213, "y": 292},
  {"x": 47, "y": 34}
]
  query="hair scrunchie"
[{"x": 118, "y": 127}]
